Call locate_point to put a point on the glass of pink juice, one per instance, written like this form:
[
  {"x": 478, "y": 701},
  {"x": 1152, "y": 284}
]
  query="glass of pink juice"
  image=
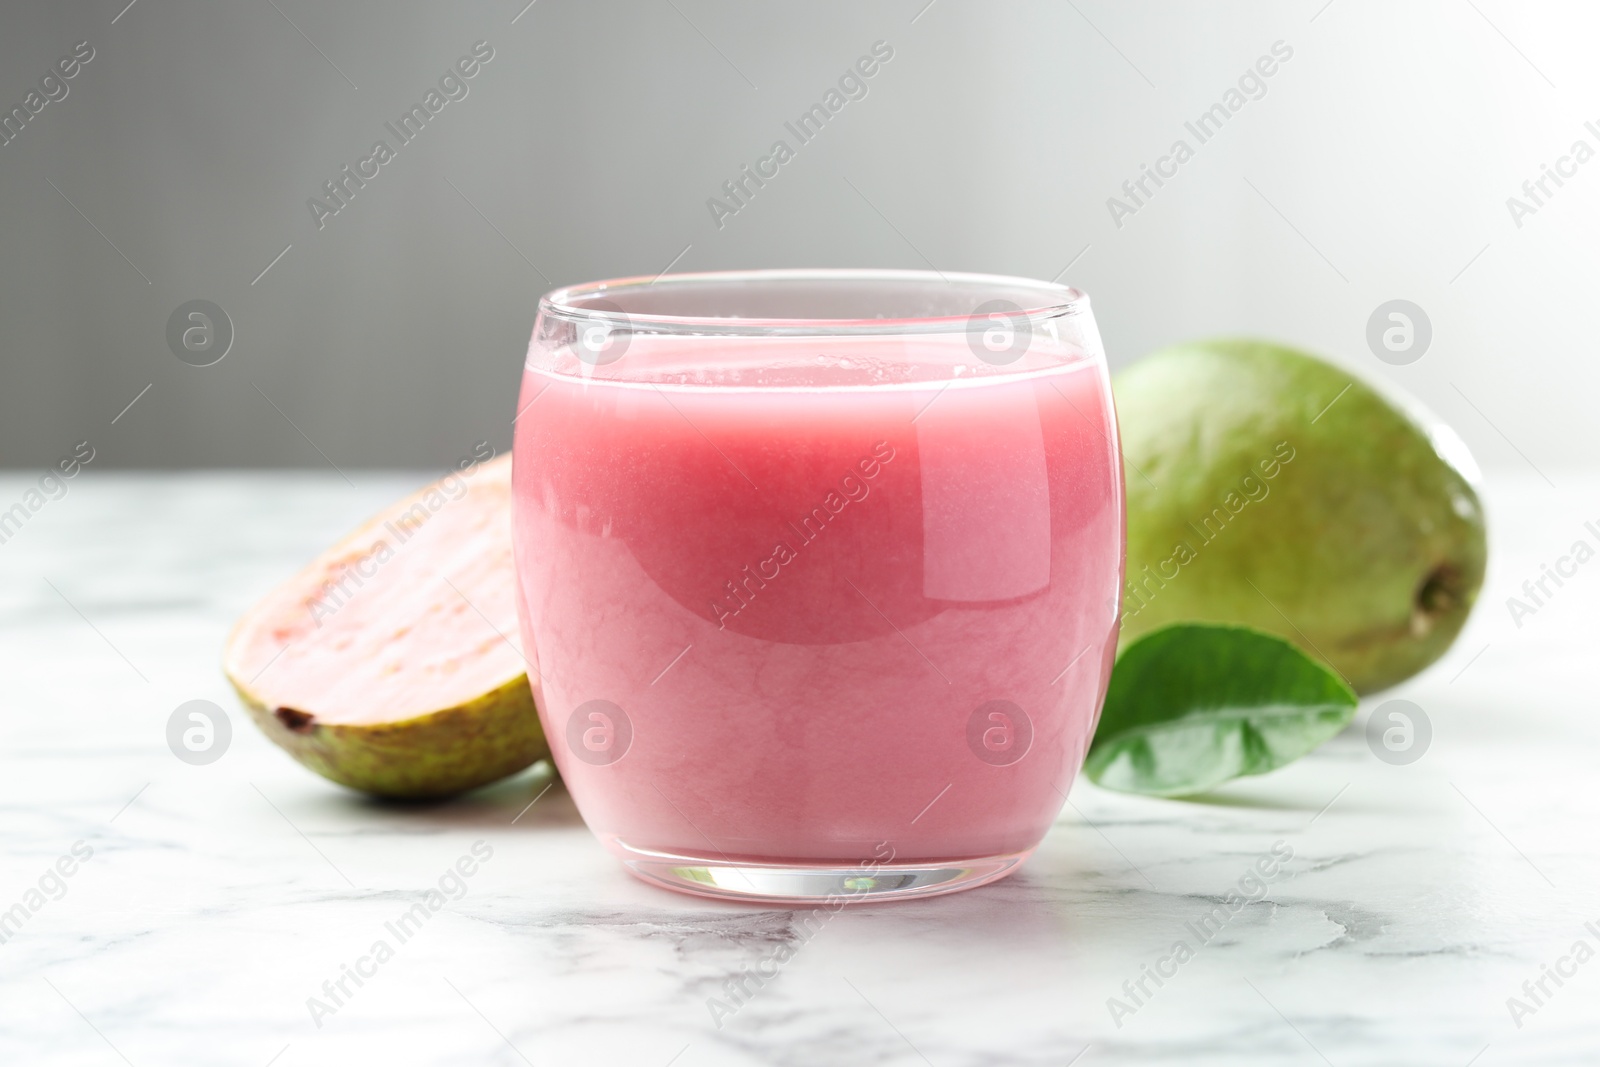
[{"x": 819, "y": 571}]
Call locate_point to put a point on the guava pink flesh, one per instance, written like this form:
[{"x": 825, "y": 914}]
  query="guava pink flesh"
[{"x": 414, "y": 613}]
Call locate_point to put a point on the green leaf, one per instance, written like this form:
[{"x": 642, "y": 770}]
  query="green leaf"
[{"x": 1192, "y": 705}]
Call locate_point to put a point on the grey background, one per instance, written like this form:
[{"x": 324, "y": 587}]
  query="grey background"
[{"x": 1376, "y": 167}]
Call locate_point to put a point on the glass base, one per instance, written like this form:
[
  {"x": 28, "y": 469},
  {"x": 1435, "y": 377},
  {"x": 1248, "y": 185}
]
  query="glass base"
[{"x": 812, "y": 883}]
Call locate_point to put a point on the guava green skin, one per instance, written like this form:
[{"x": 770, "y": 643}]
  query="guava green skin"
[
  {"x": 427, "y": 757},
  {"x": 1367, "y": 547}
]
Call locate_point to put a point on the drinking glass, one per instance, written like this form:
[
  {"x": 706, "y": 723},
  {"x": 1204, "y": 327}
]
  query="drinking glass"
[{"x": 819, "y": 571}]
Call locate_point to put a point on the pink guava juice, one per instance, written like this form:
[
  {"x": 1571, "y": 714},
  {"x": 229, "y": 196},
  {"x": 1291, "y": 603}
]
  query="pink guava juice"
[{"x": 818, "y": 602}]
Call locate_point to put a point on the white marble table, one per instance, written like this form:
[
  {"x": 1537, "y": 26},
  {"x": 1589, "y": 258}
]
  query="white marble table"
[{"x": 219, "y": 898}]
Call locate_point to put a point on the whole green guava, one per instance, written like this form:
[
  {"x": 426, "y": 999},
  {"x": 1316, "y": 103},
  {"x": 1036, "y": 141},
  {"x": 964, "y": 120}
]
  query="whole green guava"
[{"x": 1268, "y": 488}]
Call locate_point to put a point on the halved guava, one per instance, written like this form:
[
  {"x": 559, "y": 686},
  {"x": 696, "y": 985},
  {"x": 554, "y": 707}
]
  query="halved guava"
[{"x": 393, "y": 663}]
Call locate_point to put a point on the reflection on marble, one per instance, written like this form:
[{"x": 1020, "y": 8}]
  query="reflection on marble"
[{"x": 219, "y": 898}]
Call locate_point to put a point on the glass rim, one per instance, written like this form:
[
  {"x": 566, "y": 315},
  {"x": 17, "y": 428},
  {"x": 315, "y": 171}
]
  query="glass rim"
[{"x": 566, "y": 303}]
